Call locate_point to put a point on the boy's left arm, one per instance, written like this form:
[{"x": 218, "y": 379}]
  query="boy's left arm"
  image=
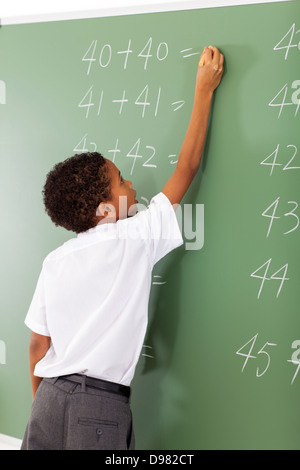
[{"x": 38, "y": 347}]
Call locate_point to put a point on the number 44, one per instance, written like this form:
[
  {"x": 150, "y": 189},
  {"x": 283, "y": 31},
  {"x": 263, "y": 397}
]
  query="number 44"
[
  {"x": 281, "y": 97},
  {"x": 264, "y": 277}
]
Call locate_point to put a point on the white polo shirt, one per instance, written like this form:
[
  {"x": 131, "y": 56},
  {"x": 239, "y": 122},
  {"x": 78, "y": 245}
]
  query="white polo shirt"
[{"x": 92, "y": 295}]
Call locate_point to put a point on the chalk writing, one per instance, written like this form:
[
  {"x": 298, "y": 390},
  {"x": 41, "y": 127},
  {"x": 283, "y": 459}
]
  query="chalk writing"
[
  {"x": 158, "y": 281},
  {"x": 145, "y": 98},
  {"x": 149, "y": 349},
  {"x": 264, "y": 269},
  {"x": 104, "y": 55},
  {"x": 272, "y": 210},
  {"x": 248, "y": 356},
  {"x": 247, "y": 351},
  {"x": 272, "y": 162},
  {"x": 288, "y": 41},
  {"x": 138, "y": 151},
  {"x": 85, "y": 146},
  {"x": 281, "y": 100},
  {"x": 187, "y": 53}
]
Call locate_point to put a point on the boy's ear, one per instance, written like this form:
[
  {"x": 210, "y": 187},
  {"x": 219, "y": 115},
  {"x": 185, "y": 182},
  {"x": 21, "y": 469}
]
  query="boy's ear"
[{"x": 105, "y": 209}]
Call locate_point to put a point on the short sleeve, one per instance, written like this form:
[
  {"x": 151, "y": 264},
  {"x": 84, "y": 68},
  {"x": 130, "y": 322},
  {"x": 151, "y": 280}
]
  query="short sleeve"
[
  {"x": 36, "y": 316},
  {"x": 163, "y": 232}
]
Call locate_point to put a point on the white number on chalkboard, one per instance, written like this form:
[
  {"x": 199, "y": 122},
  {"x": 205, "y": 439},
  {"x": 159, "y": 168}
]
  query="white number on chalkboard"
[
  {"x": 247, "y": 351},
  {"x": 294, "y": 215},
  {"x": 284, "y": 268},
  {"x": 272, "y": 216},
  {"x": 262, "y": 351},
  {"x": 90, "y": 100},
  {"x": 286, "y": 214},
  {"x": 282, "y": 95},
  {"x": 248, "y": 356},
  {"x": 264, "y": 277},
  {"x": 86, "y": 101},
  {"x": 90, "y": 59},
  {"x": 289, "y": 37},
  {"x": 142, "y": 100},
  {"x": 143, "y": 95},
  {"x": 147, "y": 164},
  {"x": 295, "y": 358},
  {"x": 134, "y": 155},
  {"x": 146, "y": 56},
  {"x": 272, "y": 162},
  {"x": 265, "y": 268},
  {"x": 82, "y": 146},
  {"x": 287, "y": 167},
  {"x": 297, "y": 363},
  {"x": 165, "y": 51},
  {"x": 105, "y": 56}
]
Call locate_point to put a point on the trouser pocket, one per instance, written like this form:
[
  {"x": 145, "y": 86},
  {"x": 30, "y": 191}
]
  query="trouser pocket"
[{"x": 91, "y": 433}]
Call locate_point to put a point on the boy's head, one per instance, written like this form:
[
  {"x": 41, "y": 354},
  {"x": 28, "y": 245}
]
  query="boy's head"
[{"x": 84, "y": 190}]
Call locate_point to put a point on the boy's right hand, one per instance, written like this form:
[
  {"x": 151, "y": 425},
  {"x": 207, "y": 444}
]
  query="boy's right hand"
[{"x": 210, "y": 69}]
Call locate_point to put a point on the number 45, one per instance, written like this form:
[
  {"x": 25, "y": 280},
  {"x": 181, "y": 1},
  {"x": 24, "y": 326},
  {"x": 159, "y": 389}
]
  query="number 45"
[{"x": 249, "y": 356}]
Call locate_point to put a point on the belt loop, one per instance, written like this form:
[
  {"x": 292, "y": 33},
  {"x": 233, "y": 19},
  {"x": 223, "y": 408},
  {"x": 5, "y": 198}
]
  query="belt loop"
[{"x": 83, "y": 383}]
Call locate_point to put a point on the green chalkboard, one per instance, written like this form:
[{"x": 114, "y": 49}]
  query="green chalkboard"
[{"x": 219, "y": 369}]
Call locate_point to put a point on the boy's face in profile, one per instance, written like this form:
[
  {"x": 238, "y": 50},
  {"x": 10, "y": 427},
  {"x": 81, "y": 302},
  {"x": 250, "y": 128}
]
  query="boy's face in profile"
[{"x": 122, "y": 203}]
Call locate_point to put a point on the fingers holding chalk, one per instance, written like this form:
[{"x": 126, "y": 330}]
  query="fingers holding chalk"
[
  {"x": 211, "y": 55},
  {"x": 202, "y": 58},
  {"x": 210, "y": 69}
]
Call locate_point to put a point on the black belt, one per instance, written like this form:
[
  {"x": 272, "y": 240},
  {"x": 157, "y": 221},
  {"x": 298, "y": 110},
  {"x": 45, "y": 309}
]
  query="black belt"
[{"x": 98, "y": 383}]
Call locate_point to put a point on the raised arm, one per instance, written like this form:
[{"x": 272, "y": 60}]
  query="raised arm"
[{"x": 210, "y": 71}]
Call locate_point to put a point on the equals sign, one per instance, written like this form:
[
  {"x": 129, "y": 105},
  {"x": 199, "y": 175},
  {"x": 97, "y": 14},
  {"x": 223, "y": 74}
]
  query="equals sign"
[
  {"x": 158, "y": 282},
  {"x": 186, "y": 52},
  {"x": 178, "y": 104},
  {"x": 147, "y": 355}
]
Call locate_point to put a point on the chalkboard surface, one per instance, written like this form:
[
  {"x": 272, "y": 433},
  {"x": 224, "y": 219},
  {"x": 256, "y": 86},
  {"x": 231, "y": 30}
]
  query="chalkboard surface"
[{"x": 220, "y": 365}]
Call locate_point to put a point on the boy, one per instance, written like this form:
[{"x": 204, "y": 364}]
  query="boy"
[{"x": 88, "y": 315}]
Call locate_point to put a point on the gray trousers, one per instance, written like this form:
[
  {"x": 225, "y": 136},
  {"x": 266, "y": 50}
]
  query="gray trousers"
[{"x": 73, "y": 416}]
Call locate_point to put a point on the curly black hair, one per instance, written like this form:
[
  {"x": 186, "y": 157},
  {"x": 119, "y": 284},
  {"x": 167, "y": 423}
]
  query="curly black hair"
[{"x": 74, "y": 188}]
